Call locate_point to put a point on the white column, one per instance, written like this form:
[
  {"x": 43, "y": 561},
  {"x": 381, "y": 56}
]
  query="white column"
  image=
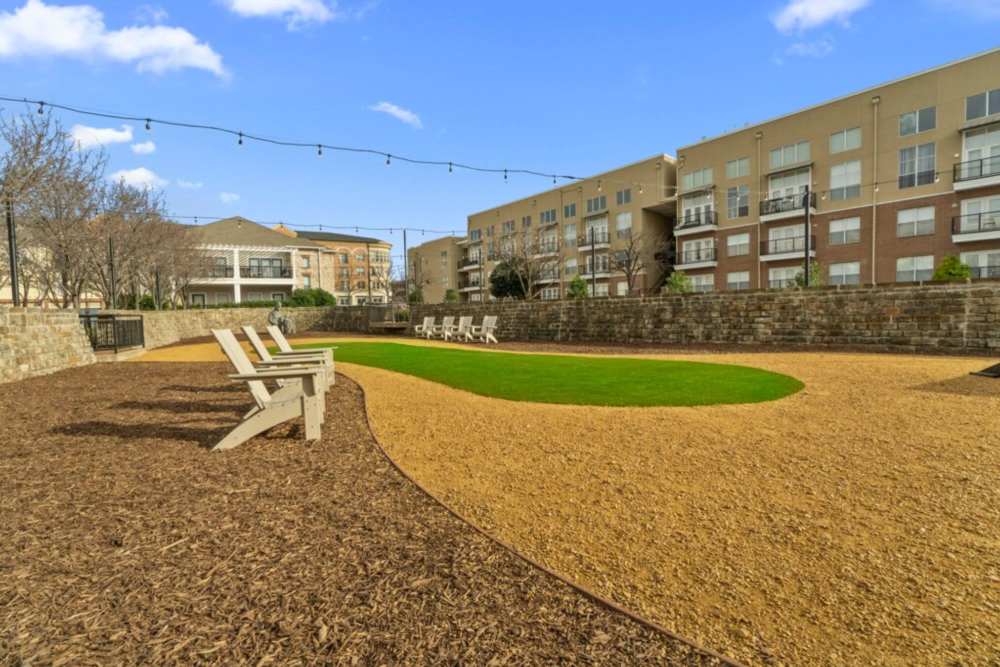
[{"x": 237, "y": 293}]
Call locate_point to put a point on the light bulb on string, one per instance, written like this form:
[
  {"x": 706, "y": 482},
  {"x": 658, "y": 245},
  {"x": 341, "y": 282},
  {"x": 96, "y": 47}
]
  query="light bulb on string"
[
  {"x": 240, "y": 142},
  {"x": 600, "y": 186},
  {"x": 41, "y": 108},
  {"x": 149, "y": 125},
  {"x": 319, "y": 150},
  {"x": 449, "y": 167},
  {"x": 388, "y": 159},
  {"x": 505, "y": 175}
]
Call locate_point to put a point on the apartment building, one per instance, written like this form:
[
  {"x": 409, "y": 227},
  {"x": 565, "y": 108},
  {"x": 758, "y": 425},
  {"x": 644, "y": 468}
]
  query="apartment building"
[
  {"x": 356, "y": 269},
  {"x": 899, "y": 176},
  {"x": 433, "y": 266},
  {"x": 593, "y": 228}
]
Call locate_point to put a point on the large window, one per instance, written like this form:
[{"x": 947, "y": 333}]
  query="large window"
[
  {"x": 983, "y": 104},
  {"x": 737, "y": 280},
  {"x": 569, "y": 210},
  {"x": 845, "y": 231},
  {"x": 914, "y": 122},
  {"x": 845, "y": 273},
  {"x": 550, "y": 293},
  {"x": 914, "y": 269},
  {"x": 915, "y": 222},
  {"x": 789, "y": 155},
  {"x": 598, "y": 203},
  {"x": 570, "y": 267},
  {"x": 623, "y": 225},
  {"x": 598, "y": 290},
  {"x": 738, "y": 201},
  {"x": 623, "y": 197},
  {"x": 845, "y": 140},
  {"x": 508, "y": 227},
  {"x": 569, "y": 234},
  {"x": 786, "y": 239},
  {"x": 526, "y": 221},
  {"x": 782, "y": 276},
  {"x": 984, "y": 263},
  {"x": 697, "y": 179},
  {"x": 916, "y": 166},
  {"x": 738, "y": 168},
  {"x": 697, "y": 209},
  {"x": 845, "y": 180},
  {"x": 703, "y": 283},
  {"x": 699, "y": 250},
  {"x": 981, "y": 152},
  {"x": 980, "y": 215},
  {"x": 738, "y": 245},
  {"x": 788, "y": 184},
  {"x": 547, "y": 217}
]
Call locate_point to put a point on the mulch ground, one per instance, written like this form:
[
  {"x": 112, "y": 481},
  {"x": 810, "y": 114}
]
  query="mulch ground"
[{"x": 125, "y": 541}]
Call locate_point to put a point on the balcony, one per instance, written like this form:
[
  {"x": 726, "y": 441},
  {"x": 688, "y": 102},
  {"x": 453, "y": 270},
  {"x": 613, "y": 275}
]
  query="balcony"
[
  {"x": 547, "y": 277},
  {"x": 470, "y": 287},
  {"x": 790, "y": 206},
  {"x": 587, "y": 273},
  {"x": 266, "y": 272},
  {"x": 977, "y": 173},
  {"x": 979, "y": 272},
  {"x": 782, "y": 283},
  {"x": 548, "y": 248},
  {"x": 595, "y": 238},
  {"x": 697, "y": 223},
  {"x": 697, "y": 258},
  {"x": 469, "y": 263},
  {"x": 976, "y": 227},
  {"x": 219, "y": 271},
  {"x": 776, "y": 250}
]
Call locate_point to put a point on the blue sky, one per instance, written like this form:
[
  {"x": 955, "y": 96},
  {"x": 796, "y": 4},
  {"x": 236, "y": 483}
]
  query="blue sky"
[{"x": 563, "y": 87}]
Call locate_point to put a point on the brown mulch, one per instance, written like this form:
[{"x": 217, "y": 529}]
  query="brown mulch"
[{"x": 125, "y": 541}]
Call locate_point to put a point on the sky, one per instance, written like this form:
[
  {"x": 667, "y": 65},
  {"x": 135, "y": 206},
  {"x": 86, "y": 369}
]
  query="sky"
[{"x": 570, "y": 88}]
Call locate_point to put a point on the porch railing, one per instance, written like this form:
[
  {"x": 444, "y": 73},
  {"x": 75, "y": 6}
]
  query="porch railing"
[{"x": 114, "y": 332}]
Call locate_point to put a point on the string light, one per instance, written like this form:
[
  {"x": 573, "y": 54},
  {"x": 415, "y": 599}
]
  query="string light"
[
  {"x": 148, "y": 125},
  {"x": 319, "y": 150},
  {"x": 449, "y": 167},
  {"x": 241, "y": 139},
  {"x": 388, "y": 159},
  {"x": 41, "y": 108},
  {"x": 505, "y": 175}
]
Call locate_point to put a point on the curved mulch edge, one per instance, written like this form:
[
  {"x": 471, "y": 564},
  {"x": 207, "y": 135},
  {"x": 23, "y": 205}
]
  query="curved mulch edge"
[{"x": 586, "y": 592}]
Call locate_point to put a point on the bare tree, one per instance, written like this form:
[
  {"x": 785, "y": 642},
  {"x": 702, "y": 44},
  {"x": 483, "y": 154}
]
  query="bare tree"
[
  {"x": 638, "y": 255},
  {"x": 380, "y": 275},
  {"x": 527, "y": 260}
]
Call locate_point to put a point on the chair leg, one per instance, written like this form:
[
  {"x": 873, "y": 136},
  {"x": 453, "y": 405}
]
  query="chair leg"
[{"x": 265, "y": 419}]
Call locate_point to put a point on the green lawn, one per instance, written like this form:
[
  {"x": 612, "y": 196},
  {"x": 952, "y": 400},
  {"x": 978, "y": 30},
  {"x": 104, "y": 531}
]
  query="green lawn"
[{"x": 552, "y": 378}]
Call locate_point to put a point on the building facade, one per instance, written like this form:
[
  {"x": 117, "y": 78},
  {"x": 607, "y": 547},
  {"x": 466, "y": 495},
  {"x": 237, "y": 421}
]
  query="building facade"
[
  {"x": 899, "y": 175},
  {"x": 432, "y": 268},
  {"x": 610, "y": 230}
]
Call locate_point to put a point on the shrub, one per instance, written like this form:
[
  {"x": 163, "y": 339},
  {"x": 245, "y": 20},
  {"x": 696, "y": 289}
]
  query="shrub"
[
  {"x": 815, "y": 276},
  {"x": 679, "y": 283},
  {"x": 577, "y": 288},
  {"x": 451, "y": 296},
  {"x": 312, "y": 297},
  {"x": 507, "y": 281},
  {"x": 415, "y": 296},
  {"x": 951, "y": 269}
]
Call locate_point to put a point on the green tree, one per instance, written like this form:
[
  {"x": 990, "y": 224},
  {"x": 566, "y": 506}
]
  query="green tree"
[
  {"x": 952, "y": 269},
  {"x": 679, "y": 283},
  {"x": 416, "y": 295},
  {"x": 815, "y": 276},
  {"x": 507, "y": 280},
  {"x": 451, "y": 296},
  {"x": 577, "y": 288},
  {"x": 313, "y": 296}
]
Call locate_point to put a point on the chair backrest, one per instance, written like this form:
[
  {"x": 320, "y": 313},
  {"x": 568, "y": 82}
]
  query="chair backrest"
[
  {"x": 447, "y": 322},
  {"x": 428, "y": 322},
  {"x": 489, "y": 323},
  {"x": 241, "y": 362},
  {"x": 257, "y": 344},
  {"x": 279, "y": 338},
  {"x": 464, "y": 324}
]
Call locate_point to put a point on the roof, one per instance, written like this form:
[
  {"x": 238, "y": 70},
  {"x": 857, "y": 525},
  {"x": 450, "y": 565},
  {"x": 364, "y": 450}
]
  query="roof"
[
  {"x": 338, "y": 238},
  {"x": 239, "y": 231}
]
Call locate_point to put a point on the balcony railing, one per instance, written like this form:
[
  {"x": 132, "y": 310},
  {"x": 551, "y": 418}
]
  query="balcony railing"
[
  {"x": 114, "y": 332},
  {"x": 589, "y": 270},
  {"x": 548, "y": 275},
  {"x": 787, "y": 204},
  {"x": 973, "y": 169},
  {"x": 699, "y": 219},
  {"x": 469, "y": 261},
  {"x": 265, "y": 272},
  {"x": 779, "y": 246},
  {"x": 593, "y": 237},
  {"x": 976, "y": 222},
  {"x": 703, "y": 254},
  {"x": 781, "y": 283},
  {"x": 986, "y": 271},
  {"x": 548, "y": 248},
  {"x": 220, "y": 272}
]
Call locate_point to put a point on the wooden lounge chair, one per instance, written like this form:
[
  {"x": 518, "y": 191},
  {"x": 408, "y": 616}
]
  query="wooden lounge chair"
[
  {"x": 285, "y": 348},
  {"x": 484, "y": 332},
  {"x": 461, "y": 331},
  {"x": 306, "y": 398},
  {"x": 318, "y": 357},
  {"x": 424, "y": 329},
  {"x": 447, "y": 324}
]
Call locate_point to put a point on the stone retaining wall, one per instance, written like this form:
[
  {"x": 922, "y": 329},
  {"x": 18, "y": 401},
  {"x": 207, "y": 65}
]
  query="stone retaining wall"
[
  {"x": 36, "y": 341},
  {"x": 962, "y": 318}
]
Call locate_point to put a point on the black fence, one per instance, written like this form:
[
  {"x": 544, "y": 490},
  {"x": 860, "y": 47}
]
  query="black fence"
[{"x": 114, "y": 332}]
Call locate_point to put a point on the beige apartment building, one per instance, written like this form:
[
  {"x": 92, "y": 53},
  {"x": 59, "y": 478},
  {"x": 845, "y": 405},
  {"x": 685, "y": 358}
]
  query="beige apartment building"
[
  {"x": 604, "y": 229},
  {"x": 900, "y": 176},
  {"x": 432, "y": 267}
]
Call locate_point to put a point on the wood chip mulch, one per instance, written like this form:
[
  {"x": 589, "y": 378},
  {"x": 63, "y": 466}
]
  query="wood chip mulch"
[{"x": 124, "y": 541}]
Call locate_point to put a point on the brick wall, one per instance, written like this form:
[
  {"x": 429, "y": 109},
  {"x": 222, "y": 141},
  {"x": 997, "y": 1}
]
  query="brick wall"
[
  {"x": 36, "y": 341},
  {"x": 962, "y": 318}
]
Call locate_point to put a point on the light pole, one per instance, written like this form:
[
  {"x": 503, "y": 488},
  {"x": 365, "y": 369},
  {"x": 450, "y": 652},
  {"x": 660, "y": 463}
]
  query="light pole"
[
  {"x": 12, "y": 251},
  {"x": 805, "y": 205}
]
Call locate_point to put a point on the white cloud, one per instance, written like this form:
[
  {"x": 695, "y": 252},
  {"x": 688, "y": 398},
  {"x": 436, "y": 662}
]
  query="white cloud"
[
  {"x": 816, "y": 49},
  {"x": 78, "y": 31},
  {"x": 144, "y": 148},
  {"x": 988, "y": 10},
  {"x": 88, "y": 137},
  {"x": 799, "y": 15},
  {"x": 294, "y": 12},
  {"x": 151, "y": 14},
  {"x": 139, "y": 177},
  {"x": 228, "y": 197},
  {"x": 399, "y": 113},
  {"x": 189, "y": 185}
]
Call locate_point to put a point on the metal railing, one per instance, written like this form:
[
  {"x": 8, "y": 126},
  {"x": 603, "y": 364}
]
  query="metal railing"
[
  {"x": 468, "y": 261},
  {"x": 986, "y": 271},
  {"x": 593, "y": 237},
  {"x": 973, "y": 169},
  {"x": 220, "y": 272},
  {"x": 781, "y": 283},
  {"x": 778, "y": 246},
  {"x": 704, "y": 254},
  {"x": 548, "y": 248},
  {"x": 114, "y": 332},
  {"x": 698, "y": 219},
  {"x": 265, "y": 272},
  {"x": 787, "y": 203},
  {"x": 976, "y": 222}
]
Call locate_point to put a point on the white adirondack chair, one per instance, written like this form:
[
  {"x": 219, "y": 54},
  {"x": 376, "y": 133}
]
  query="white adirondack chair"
[
  {"x": 424, "y": 329},
  {"x": 318, "y": 357},
  {"x": 306, "y": 398},
  {"x": 484, "y": 333},
  {"x": 461, "y": 331},
  {"x": 447, "y": 324}
]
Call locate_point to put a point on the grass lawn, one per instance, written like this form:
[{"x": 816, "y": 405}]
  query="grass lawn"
[{"x": 551, "y": 378}]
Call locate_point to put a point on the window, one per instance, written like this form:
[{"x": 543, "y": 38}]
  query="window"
[
  {"x": 738, "y": 168},
  {"x": 980, "y": 153},
  {"x": 198, "y": 300},
  {"x": 983, "y": 104},
  {"x": 738, "y": 201},
  {"x": 475, "y": 234},
  {"x": 789, "y": 184},
  {"x": 738, "y": 280},
  {"x": 344, "y": 258},
  {"x": 570, "y": 268},
  {"x": 550, "y": 293},
  {"x": 916, "y": 166},
  {"x": 845, "y": 140},
  {"x": 623, "y": 225},
  {"x": 697, "y": 179},
  {"x": 699, "y": 250},
  {"x": 622, "y": 288},
  {"x": 569, "y": 235},
  {"x": 845, "y": 273},
  {"x": 526, "y": 221},
  {"x": 697, "y": 209},
  {"x": 790, "y": 154},
  {"x": 597, "y": 204},
  {"x": 569, "y": 210},
  {"x": 914, "y": 269},
  {"x": 738, "y": 245},
  {"x": 845, "y": 180},
  {"x": 600, "y": 262},
  {"x": 278, "y": 296},
  {"x": 782, "y": 277},
  {"x": 547, "y": 217},
  {"x": 600, "y": 289},
  {"x": 343, "y": 300},
  {"x": 508, "y": 227},
  {"x": 597, "y": 230},
  {"x": 786, "y": 239},
  {"x": 915, "y": 122},
  {"x": 703, "y": 283},
  {"x": 845, "y": 231},
  {"x": 915, "y": 222},
  {"x": 305, "y": 263},
  {"x": 624, "y": 197},
  {"x": 984, "y": 263},
  {"x": 980, "y": 215},
  {"x": 307, "y": 282}
]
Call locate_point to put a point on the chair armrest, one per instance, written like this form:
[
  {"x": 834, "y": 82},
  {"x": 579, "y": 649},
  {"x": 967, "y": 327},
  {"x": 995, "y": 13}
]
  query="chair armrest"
[
  {"x": 314, "y": 350},
  {"x": 277, "y": 374},
  {"x": 290, "y": 363}
]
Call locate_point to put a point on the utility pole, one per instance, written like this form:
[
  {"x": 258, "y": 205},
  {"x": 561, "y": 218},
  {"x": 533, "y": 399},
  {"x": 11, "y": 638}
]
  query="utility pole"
[
  {"x": 157, "y": 290},
  {"x": 15, "y": 288},
  {"x": 406, "y": 267},
  {"x": 805, "y": 205},
  {"x": 593, "y": 262},
  {"x": 368, "y": 263},
  {"x": 114, "y": 282}
]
